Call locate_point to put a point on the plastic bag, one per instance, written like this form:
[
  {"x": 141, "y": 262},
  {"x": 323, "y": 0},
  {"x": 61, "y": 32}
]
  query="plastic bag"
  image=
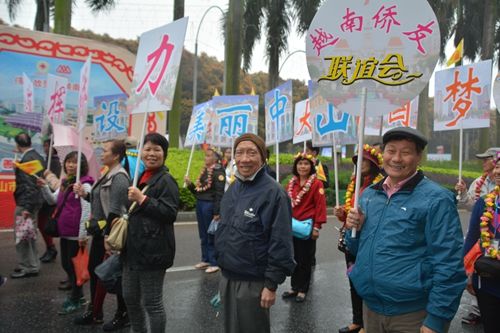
[
  {"x": 212, "y": 228},
  {"x": 81, "y": 264},
  {"x": 110, "y": 273},
  {"x": 25, "y": 229}
]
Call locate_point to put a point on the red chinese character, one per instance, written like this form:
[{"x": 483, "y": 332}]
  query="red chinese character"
[
  {"x": 304, "y": 120},
  {"x": 166, "y": 48},
  {"x": 460, "y": 93},
  {"x": 152, "y": 126},
  {"x": 29, "y": 107},
  {"x": 56, "y": 103},
  {"x": 385, "y": 17},
  {"x": 322, "y": 39},
  {"x": 420, "y": 34},
  {"x": 82, "y": 101},
  {"x": 19, "y": 80},
  {"x": 351, "y": 22},
  {"x": 402, "y": 114}
]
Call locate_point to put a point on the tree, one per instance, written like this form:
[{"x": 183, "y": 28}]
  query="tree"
[
  {"x": 174, "y": 115},
  {"x": 233, "y": 29},
  {"x": 277, "y": 15},
  {"x": 41, "y": 11},
  {"x": 63, "y": 10}
]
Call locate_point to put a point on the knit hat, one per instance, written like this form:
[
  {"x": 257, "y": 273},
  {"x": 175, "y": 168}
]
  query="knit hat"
[{"x": 257, "y": 140}]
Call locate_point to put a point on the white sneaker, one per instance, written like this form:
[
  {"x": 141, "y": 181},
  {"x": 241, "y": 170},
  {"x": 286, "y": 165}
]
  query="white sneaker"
[
  {"x": 212, "y": 269},
  {"x": 201, "y": 265}
]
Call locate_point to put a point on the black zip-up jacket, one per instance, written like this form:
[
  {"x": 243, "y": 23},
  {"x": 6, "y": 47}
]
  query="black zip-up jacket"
[
  {"x": 150, "y": 235},
  {"x": 27, "y": 194},
  {"x": 216, "y": 191},
  {"x": 253, "y": 241}
]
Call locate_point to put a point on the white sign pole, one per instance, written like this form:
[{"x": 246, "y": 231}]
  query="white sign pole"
[
  {"x": 305, "y": 146},
  {"x": 277, "y": 154},
  {"x": 336, "y": 170},
  {"x": 189, "y": 163},
  {"x": 141, "y": 144},
  {"x": 49, "y": 155},
  {"x": 460, "y": 154},
  {"x": 360, "y": 152}
]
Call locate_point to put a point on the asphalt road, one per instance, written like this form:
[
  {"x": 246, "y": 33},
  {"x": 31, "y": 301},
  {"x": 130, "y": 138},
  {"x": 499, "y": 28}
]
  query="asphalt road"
[{"x": 31, "y": 305}]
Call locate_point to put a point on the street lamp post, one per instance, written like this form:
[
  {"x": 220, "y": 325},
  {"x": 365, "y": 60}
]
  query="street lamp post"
[
  {"x": 288, "y": 56},
  {"x": 195, "y": 73}
]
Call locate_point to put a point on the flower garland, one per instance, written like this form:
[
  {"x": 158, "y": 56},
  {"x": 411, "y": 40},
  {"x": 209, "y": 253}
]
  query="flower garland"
[
  {"x": 198, "y": 187},
  {"x": 479, "y": 185},
  {"x": 486, "y": 219},
  {"x": 350, "y": 190},
  {"x": 372, "y": 151},
  {"x": 305, "y": 189}
]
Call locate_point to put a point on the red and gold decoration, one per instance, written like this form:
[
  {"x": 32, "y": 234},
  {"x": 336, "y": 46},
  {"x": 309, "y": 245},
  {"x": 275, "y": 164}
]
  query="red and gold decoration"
[
  {"x": 307, "y": 186},
  {"x": 208, "y": 184},
  {"x": 490, "y": 202},
  {"x": 479, "y": 184}
]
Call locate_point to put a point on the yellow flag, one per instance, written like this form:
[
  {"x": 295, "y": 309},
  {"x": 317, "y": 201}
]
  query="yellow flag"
[
  {"x": 216, "y": 92},
  {"x": 31, "y": 167},
  {"x": 457, "y": 55},
  {"x": 252, "y": 92},
  {"x": 320, "y": 173}
]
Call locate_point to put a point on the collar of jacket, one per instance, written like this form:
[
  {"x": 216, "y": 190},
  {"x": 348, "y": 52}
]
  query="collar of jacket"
[
  {"x": 156, "y": 175},
  {"x": 256, "y": 175},
  {"x": 409, "y": 186}
]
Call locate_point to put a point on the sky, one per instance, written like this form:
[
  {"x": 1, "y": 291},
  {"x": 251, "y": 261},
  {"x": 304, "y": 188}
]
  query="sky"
[{"x": 130, "y": 18}]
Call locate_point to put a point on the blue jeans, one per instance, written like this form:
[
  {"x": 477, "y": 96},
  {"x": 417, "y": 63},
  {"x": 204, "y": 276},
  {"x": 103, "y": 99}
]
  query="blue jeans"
[{"x": 205, "y": 214}]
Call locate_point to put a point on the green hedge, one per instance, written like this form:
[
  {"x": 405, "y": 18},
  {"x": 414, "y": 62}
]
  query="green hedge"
[{"x": 445, "y": 173}]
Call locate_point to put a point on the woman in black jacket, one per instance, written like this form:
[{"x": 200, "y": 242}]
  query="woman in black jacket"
[
  {"x": 208, "y": 190},
  {"x": 150, "y": 246}
]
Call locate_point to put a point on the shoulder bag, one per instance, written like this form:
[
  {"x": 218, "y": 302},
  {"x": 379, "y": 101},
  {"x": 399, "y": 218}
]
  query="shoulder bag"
[{"x": 302, "y": 229}]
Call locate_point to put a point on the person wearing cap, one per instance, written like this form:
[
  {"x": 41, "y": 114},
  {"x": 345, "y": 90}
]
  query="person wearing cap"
[
  {"x": 481, "y": 185},
  {"x": 409, "y": 268},
  {"x": 253, "y": 243},
  {"x": 208, "y": 190},
  {"x": 370, "y": 174},
  {"x": 483, "y": 239}
]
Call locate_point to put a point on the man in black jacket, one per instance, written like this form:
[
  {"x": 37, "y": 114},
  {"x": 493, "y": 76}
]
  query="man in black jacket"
[
  {"x": 29, "y": 200},
  {"x": 253, "y": 242}
]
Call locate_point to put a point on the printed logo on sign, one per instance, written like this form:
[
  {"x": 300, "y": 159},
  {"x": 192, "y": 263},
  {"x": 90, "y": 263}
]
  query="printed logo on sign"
[
  {"x": 249, "y": 213},
  {"x": 7, "y": 164},
  {"x": 63, "y": 69}
]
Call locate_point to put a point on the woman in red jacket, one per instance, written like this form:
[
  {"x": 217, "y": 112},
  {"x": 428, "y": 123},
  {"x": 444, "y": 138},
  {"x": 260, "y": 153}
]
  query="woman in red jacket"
[
  {"x": 308, "y": 203},
  {"x": 370, "y": 174}
]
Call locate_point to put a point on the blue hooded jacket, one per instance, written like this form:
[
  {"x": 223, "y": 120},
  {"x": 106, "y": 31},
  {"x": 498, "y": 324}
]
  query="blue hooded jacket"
[{"x": 409, "y": 252}]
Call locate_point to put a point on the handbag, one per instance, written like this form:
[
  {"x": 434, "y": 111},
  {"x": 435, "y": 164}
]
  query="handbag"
[
  {"x": 302, "y": 229},
  {"x": 50, "y": 227},
  {"x": 81, "y": 264},
  {"x": 341, "y": 245},
  {"x": 487, "y": 267},
  {"x": 118, "y": 234},
  {"x": 110, "y": 274},
  {"x": 24, "y": 229}
]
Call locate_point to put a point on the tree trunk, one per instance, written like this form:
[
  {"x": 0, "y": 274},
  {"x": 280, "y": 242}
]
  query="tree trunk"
[
  {"x": 62, "y": 16},
  {"x": 487, "y": 49},
  {"x": 424, "y": 116},
  {"x": 233, "y": 48},
  {"x": 273, "y": 77},
  {"x": 39, "y": 16},
  {"x": 174, "y": 115}
]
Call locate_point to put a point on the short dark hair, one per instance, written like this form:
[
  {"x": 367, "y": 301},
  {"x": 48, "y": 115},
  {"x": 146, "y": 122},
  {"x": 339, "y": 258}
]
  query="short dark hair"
[
  {"x": 297, "y": 160},
  {"x": 418, "y": 147},
  {"x": 310, "y": 146},
  {"x": 84, "y": 165},
  {"x": 23, "y": 140},
  {"x": 118, "y": 147},
  {"x": 160, "y": 140}
]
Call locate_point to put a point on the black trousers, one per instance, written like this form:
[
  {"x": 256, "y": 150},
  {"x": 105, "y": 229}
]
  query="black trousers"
[
  {"x": 356, "y": 300},
  {"x": 488, "y": 305},
  {"x": 301, "y": 277},
  {"x": 69, "y": 249}
]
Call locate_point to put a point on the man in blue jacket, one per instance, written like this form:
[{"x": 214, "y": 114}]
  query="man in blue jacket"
[
  {"x": 253, "y": 242},
  {"x": 409, "y": 269}
]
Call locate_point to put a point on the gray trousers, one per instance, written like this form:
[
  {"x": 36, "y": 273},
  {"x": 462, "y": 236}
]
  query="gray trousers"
[
  {"x": 143, "y": 293},
  {"x": 27, "y": 253},
  {"x": 405, "y": 323},
  {"x": 241, "y": 305}
]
